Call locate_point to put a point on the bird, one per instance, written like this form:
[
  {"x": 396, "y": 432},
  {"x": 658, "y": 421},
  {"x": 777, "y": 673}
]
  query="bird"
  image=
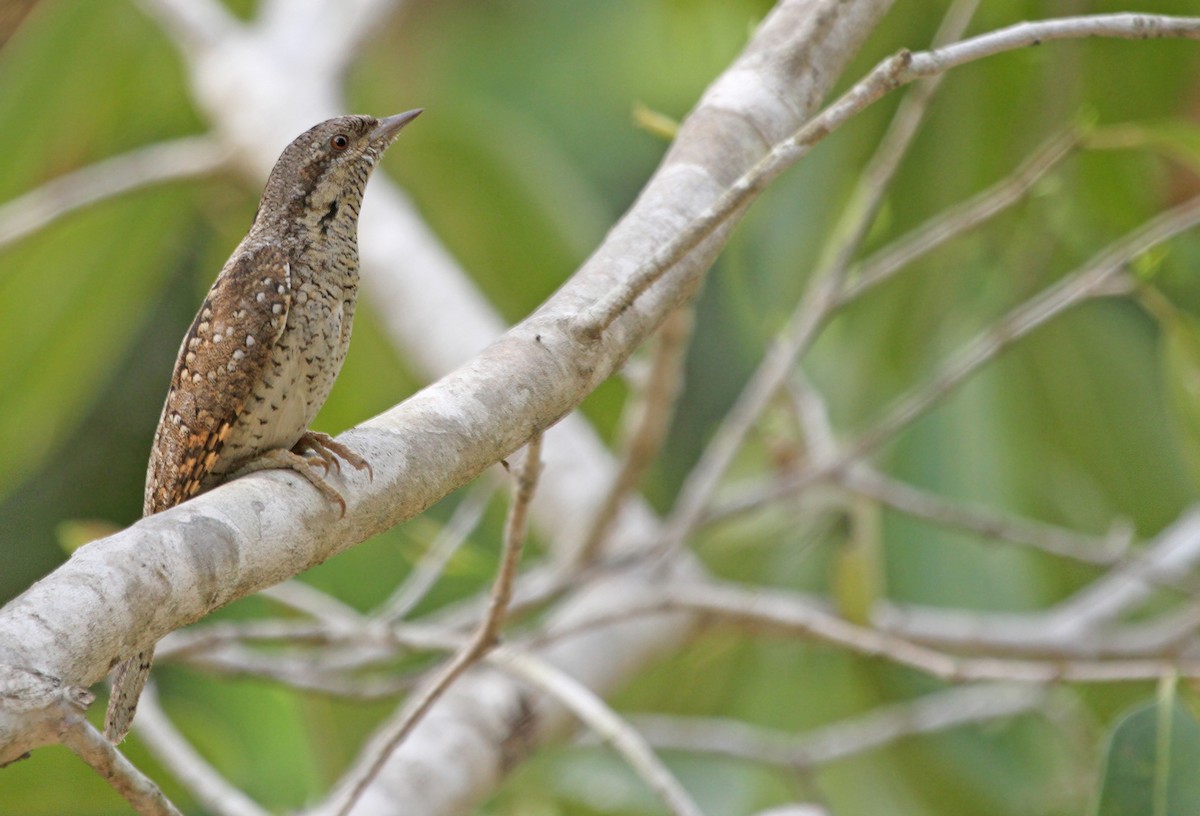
[{"x": 262, "y": 353}]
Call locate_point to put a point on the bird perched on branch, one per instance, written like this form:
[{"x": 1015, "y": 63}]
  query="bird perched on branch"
[{"x": 262, "y": 354}]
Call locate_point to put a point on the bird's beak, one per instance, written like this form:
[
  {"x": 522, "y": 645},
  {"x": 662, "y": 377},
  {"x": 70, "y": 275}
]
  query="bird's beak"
[{"x": 388, "y": 128}]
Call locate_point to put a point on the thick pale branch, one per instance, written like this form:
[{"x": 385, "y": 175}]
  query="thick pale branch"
[{"x": 112, "y": 766}]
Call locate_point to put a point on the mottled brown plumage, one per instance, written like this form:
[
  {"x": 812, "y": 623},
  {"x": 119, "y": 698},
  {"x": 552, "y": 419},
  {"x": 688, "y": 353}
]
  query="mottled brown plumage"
[{"x": 261, "y": 356}]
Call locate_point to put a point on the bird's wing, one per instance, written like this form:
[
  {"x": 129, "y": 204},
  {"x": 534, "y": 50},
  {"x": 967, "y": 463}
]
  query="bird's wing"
[{"x": 223, "y": 356}]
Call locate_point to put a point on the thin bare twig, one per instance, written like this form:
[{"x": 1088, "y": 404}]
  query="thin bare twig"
[
  {"x": 779, "y": 611},
  {"x": 649, "y": 417},
  {"x": 1083, "y": 625},
  {"x": 184, "y": 642},
  {"x": 1103, "y": 276},
  {"x": 603, "y": 721},
  {"x": 309, "y": 600},
  {"x": 961, "y": 218},
  {"x": 363, "y": 644},
  {"x": 485, "y": 637},
  {"x": 211, "y": 790},
  {"x": 166, "y": 161},
  {"x": 90, "y": 745},
  {"x": 894, "y": 72},
  {"x": 812, "y": 416},
  {"x": 795, "y": 339},
  {"x": 990, "y": 524},
  {"x": 305, "y": 673},
  {"x": 819, "y": 300},
  {"x": 876, "y": 179},
  {"x": 881, "y": 726},
  {"x": 1175, "y": 553},
  {"x": 1033, "y": 634},
  {"x": 1112, "y": 549},
  {"x": 465, "y": 519}
]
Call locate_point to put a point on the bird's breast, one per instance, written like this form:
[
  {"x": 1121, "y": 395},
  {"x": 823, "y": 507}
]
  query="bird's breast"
[{"x": 303, "y": 365}]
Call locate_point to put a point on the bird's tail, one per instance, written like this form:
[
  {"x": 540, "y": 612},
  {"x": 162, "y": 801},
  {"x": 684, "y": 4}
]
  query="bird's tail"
[{"x": 128, "y": 680}]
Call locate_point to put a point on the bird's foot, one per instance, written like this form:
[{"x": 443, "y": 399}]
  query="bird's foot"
[
  {"x": 325, "y": 453},
  {"x": 329, "y": 451}
]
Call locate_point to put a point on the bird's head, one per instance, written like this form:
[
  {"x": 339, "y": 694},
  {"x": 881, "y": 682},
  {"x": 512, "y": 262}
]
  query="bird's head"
[{"x": 325, "y": 169}]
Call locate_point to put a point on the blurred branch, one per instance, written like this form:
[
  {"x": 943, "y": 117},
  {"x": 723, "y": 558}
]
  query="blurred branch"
[
  {"x": 309, "y": 600},
  {"x": 112, "y": 766},
  {"x": 864, "y": 480},
  {"x": 12, "y": 14},
  {"x": 167, "y": 161},
  {"x": 333, "y": 29},
  {"x": 894, "y": 72},
  {"x": 305, "y": 673},
  {"x": 989, "y": 524},
  {"x": 770, "y": 610},
  {"x": 930, "y": 714},
  {"x": 876, "y": 179},
  {"x": 1170, "y": 634},
  {"x": 822, "y": 290},
  {"x": 1174, "y": 553},
  {"x": 485, "y": 637},
  {"x": 465, "y": 519},
  {"x": 1113, "y": 549},
  {"x": 1077, "y": 625},
  {"x": 604, "y": 722},
  {"x": 194, "y": 25},
  {"x": 648, "y": 418},
  {"x": 1103, "y": 276},
  {"x": 211, "y": 790},
  {"x": 196, "y": 639},
  {"x": 961, "y": 218}
]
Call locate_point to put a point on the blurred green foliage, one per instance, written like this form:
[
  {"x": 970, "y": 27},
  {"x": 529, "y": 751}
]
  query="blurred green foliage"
[
  {"x": 527, "y": 155},
  {"x": 1150, "y": 763}
]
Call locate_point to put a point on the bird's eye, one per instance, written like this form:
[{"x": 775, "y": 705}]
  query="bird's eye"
[{"x": 339, "y": 142}]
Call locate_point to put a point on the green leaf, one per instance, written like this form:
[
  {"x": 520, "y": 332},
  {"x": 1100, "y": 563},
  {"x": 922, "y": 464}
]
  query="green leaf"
[
  {"x": 1180, "y": 356},
  {"x": 74, "y": 533},
  {"x": 1150, "y": 766}
]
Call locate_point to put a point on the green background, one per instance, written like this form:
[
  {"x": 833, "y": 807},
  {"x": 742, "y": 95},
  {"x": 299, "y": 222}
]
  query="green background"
[{"x": 527, "y": 154}]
